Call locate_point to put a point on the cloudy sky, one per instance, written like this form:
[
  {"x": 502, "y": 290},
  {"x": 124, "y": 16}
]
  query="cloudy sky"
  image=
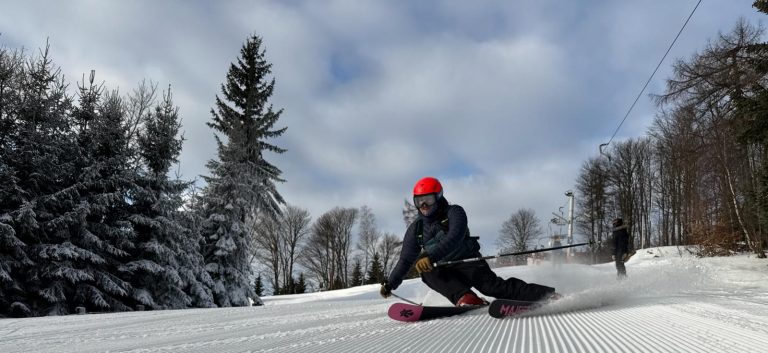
[{"x": 500, "y": 100}]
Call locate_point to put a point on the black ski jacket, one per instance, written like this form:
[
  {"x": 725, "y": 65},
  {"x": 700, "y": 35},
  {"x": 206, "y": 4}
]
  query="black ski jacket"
[
  {"x": 444, "y": 236},
  {"x": 620, "y": 240}
]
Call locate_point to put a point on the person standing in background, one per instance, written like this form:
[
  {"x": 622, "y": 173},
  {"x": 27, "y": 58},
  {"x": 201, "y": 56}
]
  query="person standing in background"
[{"x": 620, "y": 246}]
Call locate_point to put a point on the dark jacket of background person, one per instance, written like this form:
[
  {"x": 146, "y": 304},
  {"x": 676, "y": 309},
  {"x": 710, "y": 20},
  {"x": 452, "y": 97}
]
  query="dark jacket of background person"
[{"x": 620, "y": 238}]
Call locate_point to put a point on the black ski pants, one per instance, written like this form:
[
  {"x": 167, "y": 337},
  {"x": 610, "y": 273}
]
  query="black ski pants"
[
  {"x": 621, "y": 271},
  {"x": 453, "y": 281}
]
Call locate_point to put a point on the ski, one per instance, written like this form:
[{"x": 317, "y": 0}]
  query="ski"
[
  {"x": 410, "y": 312},
  {"x": 501, "y": 308}
]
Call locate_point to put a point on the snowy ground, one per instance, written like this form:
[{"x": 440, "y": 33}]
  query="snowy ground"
[{"x": 671, "y": 303}]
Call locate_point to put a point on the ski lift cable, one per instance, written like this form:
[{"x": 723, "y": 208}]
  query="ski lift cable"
[{"x": 652, "y": 74}]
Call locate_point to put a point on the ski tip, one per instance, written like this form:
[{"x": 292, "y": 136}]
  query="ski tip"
[
  {"x": 501, "y": 308},
  {"x": 405, "y": 312}
]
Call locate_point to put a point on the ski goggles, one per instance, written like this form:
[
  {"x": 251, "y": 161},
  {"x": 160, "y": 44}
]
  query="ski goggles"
[{"x": 424, "y": 200}]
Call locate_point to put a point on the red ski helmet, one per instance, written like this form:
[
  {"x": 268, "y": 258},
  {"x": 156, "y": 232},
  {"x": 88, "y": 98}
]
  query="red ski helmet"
[
  {"x": 426, "y": 193},
  {"x": 428, "y": 185}
]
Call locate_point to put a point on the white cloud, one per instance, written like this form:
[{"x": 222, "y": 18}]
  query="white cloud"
[{"x": 501, "y": 100}]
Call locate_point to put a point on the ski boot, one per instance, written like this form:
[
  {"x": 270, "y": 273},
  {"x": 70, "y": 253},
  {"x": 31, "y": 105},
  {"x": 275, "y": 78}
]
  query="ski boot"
[{"x": 471, "y": 299}]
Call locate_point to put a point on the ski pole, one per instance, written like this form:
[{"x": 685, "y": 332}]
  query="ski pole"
[
  {"x": 401, "y": 298},
  {"x": 443, "y": 263}
]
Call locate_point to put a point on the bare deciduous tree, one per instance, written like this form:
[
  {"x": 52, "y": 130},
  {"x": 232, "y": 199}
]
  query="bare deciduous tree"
[
  {"x": 295, "y": 229},
  {"x": 591, "y": 186},
  {"x": 328, "y": 249},
  {"x": 705, "y": 90},
  {"x": 368, "y": 237},
  {"x": 519, "y": 230},
  {"x": 266, "y": 232},
  {"x": 410, "y": 213},
  {"x": 389, "y": 250},
  {"x": 698, "y": 176}
]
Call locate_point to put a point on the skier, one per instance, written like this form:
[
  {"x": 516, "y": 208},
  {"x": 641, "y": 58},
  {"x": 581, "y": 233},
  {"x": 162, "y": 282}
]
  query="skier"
[
  {"x": 620, "y": 246},
  {"x": 440, "y": 233}
]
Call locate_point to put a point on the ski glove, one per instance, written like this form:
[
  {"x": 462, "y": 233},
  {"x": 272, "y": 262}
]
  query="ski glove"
[
  {"x": 424, "y": 264},
  {"x": 385, "y": 290}
]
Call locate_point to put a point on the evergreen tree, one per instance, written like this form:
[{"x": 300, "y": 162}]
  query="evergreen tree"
[
  {"x": 258, "y": 286},
  {"x": 14, "y": 260},
  {"x": 38, "y": 204},
  {"x": 242, "y": 183},
  {"x": 301, "y": 284},
  {"x": 165, "y": 265},
  {"x": 199, "y": 281},
  {"x": 41, "y": 169},
  {"x": 375, "y": 273},
  {"x": 69, "y": 260},
  {"x": 106, "y": 177},
  {"x": 357, "y": 274},
  {"x": 338, "y": 283},
  {"x": 761, "y": 5}
]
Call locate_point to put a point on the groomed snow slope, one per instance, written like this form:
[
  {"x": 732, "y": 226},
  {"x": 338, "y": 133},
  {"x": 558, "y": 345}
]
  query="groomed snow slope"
[{"x": 672, "y": 302}]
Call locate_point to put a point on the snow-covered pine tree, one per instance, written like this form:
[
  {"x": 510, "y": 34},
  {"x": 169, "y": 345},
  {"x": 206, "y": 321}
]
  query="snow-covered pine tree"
[
  {"x": 200, "y": 283},
  {"x": 39, "y": 199},
  {"x": 166, "y": 264},
  {"x": 104, "y": 236},
  {"x": 14, "y": 260},
  {"x": 242, "y": 182}
]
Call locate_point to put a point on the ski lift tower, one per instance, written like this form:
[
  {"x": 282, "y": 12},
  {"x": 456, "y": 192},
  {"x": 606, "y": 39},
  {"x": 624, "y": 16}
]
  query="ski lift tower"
[
  {"x": 569, "y": 193},
  {"x": 561, "y": 221}
]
